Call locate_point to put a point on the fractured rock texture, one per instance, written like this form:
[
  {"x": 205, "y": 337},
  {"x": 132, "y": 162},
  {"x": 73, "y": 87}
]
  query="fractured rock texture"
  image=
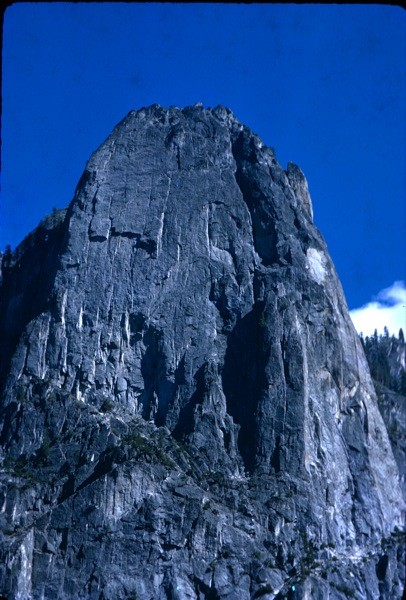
[{"x": 187, "y": 410}]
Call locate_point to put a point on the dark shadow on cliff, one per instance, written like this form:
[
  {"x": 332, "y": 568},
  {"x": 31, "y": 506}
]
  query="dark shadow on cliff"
[
  {"x": 186, "y": 421},
  {"x": 159, "y": 390},
  {"x": 243, "y": 380},
  {"x": 262, "y": 214}
]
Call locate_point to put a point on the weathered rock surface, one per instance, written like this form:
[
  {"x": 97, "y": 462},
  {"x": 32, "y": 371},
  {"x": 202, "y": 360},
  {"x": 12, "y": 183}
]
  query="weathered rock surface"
[
  {"x": 392, "y": 406},
  {"x": 187, "y": 411},
  {"x": 386, "y": 358}
]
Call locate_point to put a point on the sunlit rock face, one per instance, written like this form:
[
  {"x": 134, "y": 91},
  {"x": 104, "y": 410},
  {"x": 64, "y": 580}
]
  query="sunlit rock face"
[{"x": 187, "y": 411}]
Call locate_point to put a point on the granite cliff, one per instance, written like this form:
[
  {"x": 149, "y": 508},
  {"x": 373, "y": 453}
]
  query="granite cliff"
[{"x": 187, "y": 411}]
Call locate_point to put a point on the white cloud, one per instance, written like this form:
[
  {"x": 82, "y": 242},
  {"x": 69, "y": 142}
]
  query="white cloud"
[{"x": 388, "y": 309}]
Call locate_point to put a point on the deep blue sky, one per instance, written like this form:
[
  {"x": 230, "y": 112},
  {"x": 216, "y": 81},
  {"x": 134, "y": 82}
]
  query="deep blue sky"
[{"x": 324, "y": 85}]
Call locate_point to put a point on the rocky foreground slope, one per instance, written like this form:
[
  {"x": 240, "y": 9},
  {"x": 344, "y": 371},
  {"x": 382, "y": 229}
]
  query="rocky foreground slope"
[{"x": 187, "y": 411}]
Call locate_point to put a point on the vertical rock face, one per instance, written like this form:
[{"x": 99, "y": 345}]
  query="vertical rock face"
[{"x": 187, "y": 411}]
